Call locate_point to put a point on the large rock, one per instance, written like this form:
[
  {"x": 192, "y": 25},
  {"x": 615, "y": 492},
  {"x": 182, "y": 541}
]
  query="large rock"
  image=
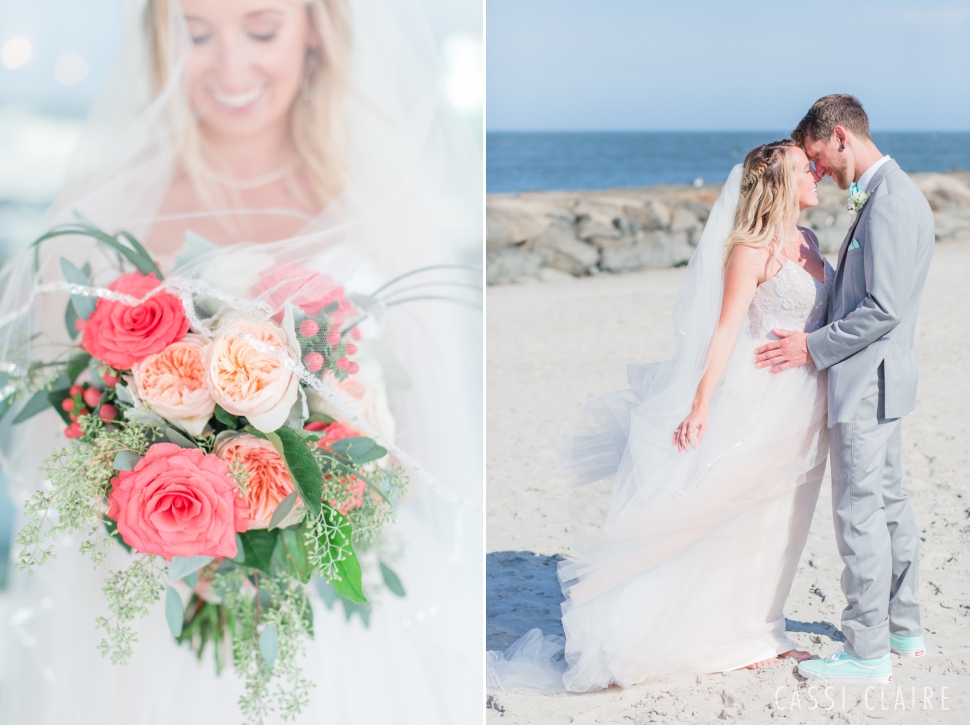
[
  {"x": 954, "y": 223},
  {"x": 654, "y": 214},
  {"x": 497, "y": 231},
  {"x": 627, "y": 226},
  {"x": 830, "y": 222},
  {"x": 685, "y": 220},
  {"x": 943, "y": 191},
  {"x": 587, "y": 228},
  {"x": 511, "y": 264},
  {"x": 649, "y": 249},
  {"x": 560, "y": 248},
  {"x": 515, "y": 220}
]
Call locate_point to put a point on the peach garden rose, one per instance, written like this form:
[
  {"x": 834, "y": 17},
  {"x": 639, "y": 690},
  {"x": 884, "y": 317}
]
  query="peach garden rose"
[
  {"x": 172, "y": 383},
  {"x": 248, "y": 382},
  {"x": 269, "y": 481}
]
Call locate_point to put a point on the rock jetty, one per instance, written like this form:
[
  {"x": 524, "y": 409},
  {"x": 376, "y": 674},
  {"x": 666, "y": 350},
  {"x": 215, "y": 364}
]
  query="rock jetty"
[{"x": 543, "y": 235}]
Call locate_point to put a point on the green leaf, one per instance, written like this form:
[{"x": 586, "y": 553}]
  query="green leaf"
[
  {"x": 392, "y": 580},
  {"x": 358, "y": 449},
  {"x": 240, "y": 556},
  {"x": 38, "y": 403},
  {"x": 126, "y": 461},
  {"x": 258, "y": 545},
  {"x": 182, "y": 566},
  {"x": 319, "y": 418},
  {"x": 70, "y": 320},
  {"x": 191, "y": 580},
  {"x": 349, "y": 585},
  {"x": 269, "y": 643},
  {"x": 227, "y": 419},
  {"x": 282, "y": 510},
  {"x": 76, "y": 365},
  {"x": 303, "y": 468},
  {"x": 326, "y": 591},
  {"x": 178, "y": 439},
  {"x": 174, "y": 614},
  {"x": 297, "y": 559},
  {"x": 83, "y": 305},
  {"x": 138, "y": 257},
  {"x": 57, "y": 398},
  {"x": 41, "y": 400},
  {"x": 259, "y": 434},
  {"x": 112, "y": 528}
]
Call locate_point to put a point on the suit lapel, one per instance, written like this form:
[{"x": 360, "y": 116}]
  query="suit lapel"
[{"x": 874, "y": 182}]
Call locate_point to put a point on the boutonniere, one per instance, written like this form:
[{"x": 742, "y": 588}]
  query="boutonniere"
[{"x": 857, "y": 199}]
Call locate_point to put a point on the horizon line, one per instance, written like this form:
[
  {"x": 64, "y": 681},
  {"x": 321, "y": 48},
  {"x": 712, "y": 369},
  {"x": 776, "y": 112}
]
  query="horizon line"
[{"x": 699, "y": 130}]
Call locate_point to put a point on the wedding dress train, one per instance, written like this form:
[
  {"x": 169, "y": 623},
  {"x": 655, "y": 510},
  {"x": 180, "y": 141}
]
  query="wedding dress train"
[{"x": 699, "y": 549}]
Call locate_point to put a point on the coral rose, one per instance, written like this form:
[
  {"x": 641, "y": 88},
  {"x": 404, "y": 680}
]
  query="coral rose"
[
  {"x": 178, "y": 502},
  {"x": 172, "y": 383},
  {"x": 120, "y": 335},
  {"x": 248, "y": 382},
  {"x": 310, "y": 291},
  {"x": 269, "y": 481}
]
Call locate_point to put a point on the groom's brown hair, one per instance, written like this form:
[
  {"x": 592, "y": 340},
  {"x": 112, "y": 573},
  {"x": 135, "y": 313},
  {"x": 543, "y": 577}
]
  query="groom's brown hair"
[{"x": 838, "y": 109}]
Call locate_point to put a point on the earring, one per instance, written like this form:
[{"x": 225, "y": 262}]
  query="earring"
[
  {"x": 306, "y": 80},
  {"x": 841, "y": 147}
]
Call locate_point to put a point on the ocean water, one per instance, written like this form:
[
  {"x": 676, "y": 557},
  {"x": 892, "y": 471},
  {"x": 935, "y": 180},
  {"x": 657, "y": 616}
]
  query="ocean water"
[{"x": 534, "y": 161}]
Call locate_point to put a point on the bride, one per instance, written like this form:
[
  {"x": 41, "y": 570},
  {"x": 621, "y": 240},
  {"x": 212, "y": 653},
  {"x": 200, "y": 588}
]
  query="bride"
[
  {"x": 233, "y": 139},
  {"x": 705, "y": 529}
]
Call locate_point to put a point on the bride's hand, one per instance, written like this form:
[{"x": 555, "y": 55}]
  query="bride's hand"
[{"x": 691, "y": 431}]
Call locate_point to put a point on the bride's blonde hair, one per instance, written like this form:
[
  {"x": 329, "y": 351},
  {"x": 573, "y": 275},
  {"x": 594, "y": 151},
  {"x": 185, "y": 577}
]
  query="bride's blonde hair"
[
  {"x": 769, "y": 198},
  {"x": 318, "y": 123}
]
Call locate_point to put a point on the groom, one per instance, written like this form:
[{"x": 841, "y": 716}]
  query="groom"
[{"x": 867, "y": 347}]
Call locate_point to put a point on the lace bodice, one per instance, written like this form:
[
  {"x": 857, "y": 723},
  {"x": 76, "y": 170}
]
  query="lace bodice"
[{"x": 791, "y": 300}]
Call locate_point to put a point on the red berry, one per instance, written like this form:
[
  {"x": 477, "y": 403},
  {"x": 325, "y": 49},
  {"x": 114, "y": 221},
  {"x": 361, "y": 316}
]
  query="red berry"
[
  {"x": 353, "y": 368},
  {"x": 67, "y": 405},
  {"x": 309, "y": 328},
  {"x": 351, "y": 348},
  {"x": 75, "y": 390},
  {"x": 83, "y": 412},
  {"x": 333, "y": 337},
  {"x": 355, "y": 333},
  {"x": 313, "y": 361},
  {"x": 110, "y": 379},
  {"x": 92, "y": 396},
  {"x": 73, "y": 431},
  {"x": 108, "y": 412},
  {"x": 343, "y": 363}
]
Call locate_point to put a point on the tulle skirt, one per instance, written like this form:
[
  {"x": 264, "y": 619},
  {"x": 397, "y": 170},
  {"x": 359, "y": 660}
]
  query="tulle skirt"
[{"x": 699, "y": 549}]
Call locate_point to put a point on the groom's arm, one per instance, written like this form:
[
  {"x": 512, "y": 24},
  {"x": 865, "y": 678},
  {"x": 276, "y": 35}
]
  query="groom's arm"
[{"x": 889, "y": 259}]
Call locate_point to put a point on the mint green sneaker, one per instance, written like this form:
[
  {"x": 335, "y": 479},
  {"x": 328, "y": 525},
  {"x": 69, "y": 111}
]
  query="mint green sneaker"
[
  {"x": 840, "y": 666},
  {"x": 907, "y": 646}
]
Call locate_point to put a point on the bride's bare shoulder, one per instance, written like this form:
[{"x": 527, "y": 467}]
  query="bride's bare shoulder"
[{"x": 749, "y": 261}]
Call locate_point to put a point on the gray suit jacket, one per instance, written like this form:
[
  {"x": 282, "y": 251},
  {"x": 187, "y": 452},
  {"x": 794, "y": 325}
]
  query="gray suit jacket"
[{"x": 875, "y": 298}]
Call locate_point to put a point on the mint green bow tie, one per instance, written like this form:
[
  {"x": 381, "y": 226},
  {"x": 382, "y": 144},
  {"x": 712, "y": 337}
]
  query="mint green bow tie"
[{"x": 853, "y": 189}]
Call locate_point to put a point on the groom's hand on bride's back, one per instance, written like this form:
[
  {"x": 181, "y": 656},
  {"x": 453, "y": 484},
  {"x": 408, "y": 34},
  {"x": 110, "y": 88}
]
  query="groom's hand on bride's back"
[{"x": 790, "y": 351}]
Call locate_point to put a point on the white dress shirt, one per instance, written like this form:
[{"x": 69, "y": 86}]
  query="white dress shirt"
[{"x": 870, "y": 172}]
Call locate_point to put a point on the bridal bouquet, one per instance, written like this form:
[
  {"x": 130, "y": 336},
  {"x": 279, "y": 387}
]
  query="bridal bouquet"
[{"x": 194, "y": 445}]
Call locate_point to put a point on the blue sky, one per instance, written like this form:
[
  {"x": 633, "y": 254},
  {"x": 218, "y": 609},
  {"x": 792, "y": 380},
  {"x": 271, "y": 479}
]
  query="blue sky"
[{"x": 723, "y": 64}]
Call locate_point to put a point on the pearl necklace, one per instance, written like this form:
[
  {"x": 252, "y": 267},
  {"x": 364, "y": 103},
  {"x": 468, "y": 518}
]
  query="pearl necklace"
[{"x": 253, "y": 182}]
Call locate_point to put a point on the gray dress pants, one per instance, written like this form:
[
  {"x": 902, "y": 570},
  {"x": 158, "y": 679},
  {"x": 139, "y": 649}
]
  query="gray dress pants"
[{"x": 875, "y": 529}]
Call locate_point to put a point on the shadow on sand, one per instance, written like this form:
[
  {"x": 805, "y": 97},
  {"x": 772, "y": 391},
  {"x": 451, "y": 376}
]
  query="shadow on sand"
[{"x": 522, "y": 592}]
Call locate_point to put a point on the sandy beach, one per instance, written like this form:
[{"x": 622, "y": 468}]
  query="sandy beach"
[{"x": 554, "y": 345}]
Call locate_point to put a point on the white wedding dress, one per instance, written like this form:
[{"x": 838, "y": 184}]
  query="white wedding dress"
[{"x": 700, "y": 549}]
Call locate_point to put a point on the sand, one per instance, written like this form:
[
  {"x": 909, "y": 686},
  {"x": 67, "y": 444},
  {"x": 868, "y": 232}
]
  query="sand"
[{"x": 554, "y": 345}]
